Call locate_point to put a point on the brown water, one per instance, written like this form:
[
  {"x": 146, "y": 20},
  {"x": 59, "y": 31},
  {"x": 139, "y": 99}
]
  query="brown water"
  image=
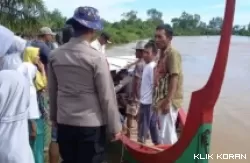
[{"x": 231, "y": 128}]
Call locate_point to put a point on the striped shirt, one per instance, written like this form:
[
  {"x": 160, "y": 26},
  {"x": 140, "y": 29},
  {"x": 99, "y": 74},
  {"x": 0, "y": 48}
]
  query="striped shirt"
[{"x": 168, "y": 64}]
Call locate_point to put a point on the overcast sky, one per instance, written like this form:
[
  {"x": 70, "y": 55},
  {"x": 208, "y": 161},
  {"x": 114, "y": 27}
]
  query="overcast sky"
[{"x": 111, "y": 10}]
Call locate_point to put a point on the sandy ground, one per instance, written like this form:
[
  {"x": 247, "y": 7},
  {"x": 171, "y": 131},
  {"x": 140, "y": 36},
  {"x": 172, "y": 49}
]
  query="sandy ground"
[{"x": 231, "y": 129}]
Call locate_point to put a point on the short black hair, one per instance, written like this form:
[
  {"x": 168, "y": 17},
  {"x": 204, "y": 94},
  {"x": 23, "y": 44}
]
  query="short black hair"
[
  {"x": 78, "y": 28},
  {"x": 105, "y": 35},
  {"x": 67, "y": 33},
  {"x": 58, "y": 39},
  {"x": 151, "y": 44},
  {"x": 167, "y": 28}
]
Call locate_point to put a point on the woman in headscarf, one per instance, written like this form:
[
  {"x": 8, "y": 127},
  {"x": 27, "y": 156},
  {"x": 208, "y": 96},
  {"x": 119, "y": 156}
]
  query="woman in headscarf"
[
  {"x": 6, "y": 39},
  {"x": 14, "y": 107},
  {"x": 11, "y": 59},
  {"x": 14, "y": 93},
  {"x": 31, "y": 55}
]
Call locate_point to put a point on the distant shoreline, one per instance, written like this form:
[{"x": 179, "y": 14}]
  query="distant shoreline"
[{"x": 121, "y": 44}]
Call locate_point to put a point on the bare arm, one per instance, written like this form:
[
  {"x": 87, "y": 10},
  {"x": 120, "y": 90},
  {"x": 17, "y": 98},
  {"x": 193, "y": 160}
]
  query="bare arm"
[
  {"x": 32, "y": 125},
  {"x": 33, "y": 129},
  {"x": 132, "y": 64},
  {"x": 136, "y": 82},
  {"x": 107, "y": 96},
  {"x": 123, "y": 83},
  {"x": 135, "y": 87},
  {"x": 52, "y": 86}
]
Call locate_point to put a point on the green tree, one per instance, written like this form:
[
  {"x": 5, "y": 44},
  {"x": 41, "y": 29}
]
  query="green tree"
[
  {"x": 216, "y": 23},
  {"x": 155, "y": 16},
  {"x": 26, "y": 16},
  {"x": 54, "y": 19},
  {"x": 21, "y": 12},
  {"x": 130, "y": 16}
]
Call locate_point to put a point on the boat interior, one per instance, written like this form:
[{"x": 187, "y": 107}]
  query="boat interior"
[{"x": 122, "y": 79}]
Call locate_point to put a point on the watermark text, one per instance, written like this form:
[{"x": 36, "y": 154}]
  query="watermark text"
[{"x": 224, "y": 156}]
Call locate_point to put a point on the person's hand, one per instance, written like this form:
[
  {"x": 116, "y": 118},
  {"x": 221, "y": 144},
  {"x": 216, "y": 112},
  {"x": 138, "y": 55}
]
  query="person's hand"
[
  {"x": 117, "y": 136},
  {"x": 33, "y": 135},
  {"x": 130, "y": 101},
  {"x": 40, "y": 65},
  {"x": 131, "y": 64},
  {"x": 134, "y": 97},
  {"x": 165, "y": 106},
  {"x": 127, "y": 66}
]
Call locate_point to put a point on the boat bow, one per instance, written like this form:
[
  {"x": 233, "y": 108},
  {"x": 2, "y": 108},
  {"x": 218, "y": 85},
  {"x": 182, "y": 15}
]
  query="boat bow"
[{"x": 200, "y": 111}]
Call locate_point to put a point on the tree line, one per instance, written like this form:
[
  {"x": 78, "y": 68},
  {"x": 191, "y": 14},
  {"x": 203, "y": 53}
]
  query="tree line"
[{"x": 27, "y": 17}]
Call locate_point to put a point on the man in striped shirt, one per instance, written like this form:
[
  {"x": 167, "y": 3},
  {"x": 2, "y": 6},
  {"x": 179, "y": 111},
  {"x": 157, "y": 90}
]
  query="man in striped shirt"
[{"x": 168, "y": 91}]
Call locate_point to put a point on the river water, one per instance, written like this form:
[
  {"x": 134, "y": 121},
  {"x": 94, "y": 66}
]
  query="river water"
[{"x": 231, "y": 128}]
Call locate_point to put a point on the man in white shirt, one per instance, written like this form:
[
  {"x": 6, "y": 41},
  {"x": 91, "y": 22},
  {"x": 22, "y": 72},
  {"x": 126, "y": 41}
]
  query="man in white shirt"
[
  {"x": 148, "y": 119},
  {"x": 100, "y": 43}
]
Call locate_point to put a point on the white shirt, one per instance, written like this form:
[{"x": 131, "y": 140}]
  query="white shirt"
[
  {"x": 54, "y": 45},
  {"x": 29, "y": 71},
  {"x": 14, "y": 133},
  {"x": 96, "y": 45},
  {"x": 146, "y": 91}
]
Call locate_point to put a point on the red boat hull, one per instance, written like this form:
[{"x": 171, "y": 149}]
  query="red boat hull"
[
  {"x": 195, "y": 138},
  {"x": 117, "y": 150}
]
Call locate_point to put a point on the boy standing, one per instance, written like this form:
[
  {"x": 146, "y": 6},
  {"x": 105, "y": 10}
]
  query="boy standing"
[{"x": 148, "y": 119}]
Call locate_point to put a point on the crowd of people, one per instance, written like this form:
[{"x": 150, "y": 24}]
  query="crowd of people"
[{"x": 68, "y": 84}]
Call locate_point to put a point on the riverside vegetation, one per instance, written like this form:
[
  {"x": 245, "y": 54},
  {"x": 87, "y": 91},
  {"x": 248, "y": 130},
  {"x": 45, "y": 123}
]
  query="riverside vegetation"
[{"x": 26, "y": 16}]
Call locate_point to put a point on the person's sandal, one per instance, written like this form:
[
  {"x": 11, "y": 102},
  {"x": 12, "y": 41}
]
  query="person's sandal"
[{"x": 142, "y": 141}]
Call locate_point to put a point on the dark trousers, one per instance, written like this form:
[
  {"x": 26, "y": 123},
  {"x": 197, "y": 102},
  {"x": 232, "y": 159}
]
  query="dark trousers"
[
  {"x": 81, "y": 144},
  {"x": 147, "y": 122}
]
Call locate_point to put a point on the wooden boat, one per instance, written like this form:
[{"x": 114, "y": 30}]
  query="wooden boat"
[{"x": 194, "y": 141}]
